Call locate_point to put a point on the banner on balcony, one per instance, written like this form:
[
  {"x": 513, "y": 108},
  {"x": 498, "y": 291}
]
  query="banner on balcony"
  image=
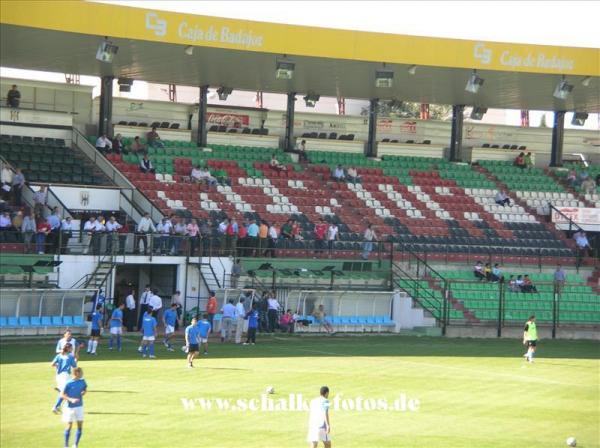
[{"x": 579, "y": 215}]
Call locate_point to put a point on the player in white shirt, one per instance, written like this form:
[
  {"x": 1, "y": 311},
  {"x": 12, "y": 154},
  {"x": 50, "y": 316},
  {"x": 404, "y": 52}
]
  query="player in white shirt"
[
  {"x": 68, "y": 338},
  {"x": 318, "y": 420}
]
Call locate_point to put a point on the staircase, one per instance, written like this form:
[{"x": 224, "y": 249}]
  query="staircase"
[
  {"x": 98, "y": 278},
  {"x": 208, "y": 275}
]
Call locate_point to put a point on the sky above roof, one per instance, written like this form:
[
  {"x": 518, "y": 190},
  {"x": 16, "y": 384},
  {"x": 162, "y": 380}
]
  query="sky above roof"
[{"x": 563, "y": 23}]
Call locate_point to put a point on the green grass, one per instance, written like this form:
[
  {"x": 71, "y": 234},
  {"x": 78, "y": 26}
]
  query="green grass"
[{"x": 472, "y": 393}]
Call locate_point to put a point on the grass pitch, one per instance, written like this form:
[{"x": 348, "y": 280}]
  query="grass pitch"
[{"x": 472, "y": 393}]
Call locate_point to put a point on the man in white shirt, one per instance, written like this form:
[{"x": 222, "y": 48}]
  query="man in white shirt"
[
  {"x": 155, "y": 302},
  {"x": 369, "y": 237},
  {"x": 66, "y": 230},
  {"x": 7, "y": 180},
  {"x": 90, "y": 227},
  {"x": 144, "y": 227},
  {"x": 502, "y": 199},
  {"x": 195, "y": 174},
  {"x": 165, "y": 228},
  {"x": 130, "y": 311},
  {"x": 39, "y": 200},
  {"x": 240, "y": 314},
  {"x": 273, "y": 310},
  {"x": 583, "y": 244},
  {"x": 271, "y": 241},
  {"x": 339, "y": 174},
  {"x": 103, "y": 144},
  {"x": 112, "y": 242},
  {"x": 229, "y": 313},
  {"x": 318, "y": 420},
  {"x": 353, "y": 175},
  {"x": 332, "y": 236},
  {"x": 144, "y": 303}
]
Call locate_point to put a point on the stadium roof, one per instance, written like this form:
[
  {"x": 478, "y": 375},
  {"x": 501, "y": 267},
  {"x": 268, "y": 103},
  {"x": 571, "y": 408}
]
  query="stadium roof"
[{"x": 63, "y": 36}]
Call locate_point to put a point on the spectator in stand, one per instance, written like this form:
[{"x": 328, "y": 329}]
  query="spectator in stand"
[
  {"x": 123, "y": 233},
  {"x": 478, "y": 271},
  {"x": 104, "y": 144},
  {"x": 321, "y": 318},
  {"x": 117, "y": 144},
  {"x": 137, "y": 147},
  {"x": 7, "y": 182},
  {"x": 275, "y": 165},
  {"x": 572, "y": 178},
  {"x": 528, "y": 286},
  {"x": 205, "y": 176},
  {"x": 301, "y": 151},
  {"x": 18, "y": 183},
  {"x": 273, "y": 311},
  {"x": 193, "y": 232},
  {"x": 252, "y": 239},
  {"x": 13, "y": 97},
  {"x": 17, "y": 222},
  {"x": 272, "y": 241},
  {"x": 144, "y": 227},
  {"x": 502, "y": 199},
  {"x": 588, "y": 186},
  {"x": 512, "y": 284},
  {"x": 296, "y": 235},
  {"x": 28, "y": 229},
  {"x": 582, "y": 242},
  {"x": 153, "y": 139},
  {"x": 112, "y": 241},
  {"x": 320, "y": 233},
  {"x": 560, "y": 278},
  {"x": 231, "y": 232},
  {"x": 66, "y": 231},
  {"x": 236, "y": 272},
  {"x": 5, "y": 226},
  {"x": 528, "y": 161},
  {"x": 54, "y": 236},
  {"x": 487, "y": 271},
  {"x": 146, "y": 165},
  {"x": 228, "y": 313},
  {"x": 242, "y": 240},
  {"x": 286, "y": 323},
  {"x": 206, "y": 238},
  {"x": 40, "y": 199},
  {"x": 333, "y": 235},
  {"x": 240, "y": 314},
  {"x": 583, "y": 175},
  {"x": 598, "y": 180},
  {"x": 179, "y": 232},
  {"x": 369, "y": 236},
  {"x": 286, "y": 230},
  {"x": 339, "y": 174},
  {"x": 497, "y": 275},
  {"x": 519, "y": 283},
  {"x": 263, "y": 234},
  {"x": 520, "y": 160},
  {"x": 353, "y": 176},
  {"x": 164, "y": 229},
  {"x": 91, "y": 231},
  {"x": 42, "y": 231}
]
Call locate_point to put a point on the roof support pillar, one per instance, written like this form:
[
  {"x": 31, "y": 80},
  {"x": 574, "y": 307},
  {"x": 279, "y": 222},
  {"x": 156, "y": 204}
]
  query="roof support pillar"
[
  {"x": 558, "y": 132},
  {"x": 288, "y": 144},
  {"x": 202, "y": 104},
  {"x": 372, "y": 137},
  {"x": 106, "y": 93},
  {"x": 456, "y": 133}
]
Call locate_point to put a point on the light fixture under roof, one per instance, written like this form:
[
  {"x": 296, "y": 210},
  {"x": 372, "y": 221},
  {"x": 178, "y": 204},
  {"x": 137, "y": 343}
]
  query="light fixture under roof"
[
  {"x": 189, "y": 50},
  {"x": 284, "y": 69},
  {"x": 224, "y": 92},
  {"x": 474, "y": 83},
  {"x": 579, "y": 118},
  {"x": 478, "y": 112},
  {"x": 311, "y": 99},
  {"x": 585, "y": 82},
  {"x": 412, "y": 69},
  {"x": 384, "y": 78},
  {"x": 106, "y": 51},
  {"x": 563, "y": 89}
]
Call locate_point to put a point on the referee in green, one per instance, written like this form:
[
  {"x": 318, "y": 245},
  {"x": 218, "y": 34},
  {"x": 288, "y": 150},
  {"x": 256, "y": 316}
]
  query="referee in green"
[{"x": 530, "y": 338}]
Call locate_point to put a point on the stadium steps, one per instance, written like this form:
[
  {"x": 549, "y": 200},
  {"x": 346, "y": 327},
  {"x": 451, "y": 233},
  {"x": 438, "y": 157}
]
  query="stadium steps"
[{"x": 550, "y": 227}]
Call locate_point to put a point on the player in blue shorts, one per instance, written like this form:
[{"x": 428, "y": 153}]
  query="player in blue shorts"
[
  {"x": 204, "y": 328},
  {"x": 170, "y": 319},
  {"x": 148, "y": 334},
  {"x": 68, "y": 338},
  {"x": 191, "y": 341},
  {"x": 96, "y": 327},
  {"x": 63, "y": 362},
  {"x": 74, "y": 391},
  {"x": 116, "y": 326}
]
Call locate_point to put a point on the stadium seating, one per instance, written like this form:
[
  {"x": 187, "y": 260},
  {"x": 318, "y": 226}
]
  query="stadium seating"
[
  {"x": 48, "y": 160},
  {"x": 14, "y": 270}
]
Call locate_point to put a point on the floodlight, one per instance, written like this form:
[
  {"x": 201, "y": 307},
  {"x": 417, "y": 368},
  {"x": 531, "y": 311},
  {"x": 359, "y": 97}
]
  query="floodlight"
[
  {"x": 585, "y": 82},
  {"x": 311, "y": 99},
  {"x": 412, "y": 69},
  {"x": 562, "y": 90},
  {"x": 579, "y": 118},
  {"x": 106, "y": 51},
  {"x": 478, "y": 112},
  {"x": 224, "y": 92},
  {"x": 189, "y": 50},
  {"x": 125, "y": 84},
  {"x": 474, "y": 84},
  {"x": 384, "y": 78},
  {"x": 284, "y": 70}
]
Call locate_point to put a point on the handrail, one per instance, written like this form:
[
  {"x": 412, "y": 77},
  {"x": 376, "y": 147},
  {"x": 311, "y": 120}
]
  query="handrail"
[
  {"x": 431, "y": 299},
  {"x": 414, "y": 254},
  {"x": 571, "y": 222}
]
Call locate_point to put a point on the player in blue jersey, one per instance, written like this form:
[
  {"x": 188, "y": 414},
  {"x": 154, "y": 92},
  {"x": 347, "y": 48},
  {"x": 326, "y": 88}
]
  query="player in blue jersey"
[
  {"x": 73, "y": 394},
  {"x": 252, "y": 317},
  {"x": 96, "y": 327},
  {"x": 116, "y": 326},
  {"x": 63, "y": 362},
  {"x": 68, "y": 338},
  {"x": 148, "y": 334},
  {"x": 170, "y": 319},
  {"x": 204, "y": 328},
  {"x": 191, "y": 341}
]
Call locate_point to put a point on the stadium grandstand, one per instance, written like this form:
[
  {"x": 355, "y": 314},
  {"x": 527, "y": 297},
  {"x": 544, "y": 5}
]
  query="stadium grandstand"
[{"x": 411, "y": 226}]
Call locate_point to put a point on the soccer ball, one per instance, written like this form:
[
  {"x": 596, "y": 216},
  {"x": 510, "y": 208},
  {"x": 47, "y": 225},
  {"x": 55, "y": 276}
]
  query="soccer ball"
[
  {"x": 270, "y": 390},
  {"x": 571, "y": 441},
  {"x": 184, "y": 349}
]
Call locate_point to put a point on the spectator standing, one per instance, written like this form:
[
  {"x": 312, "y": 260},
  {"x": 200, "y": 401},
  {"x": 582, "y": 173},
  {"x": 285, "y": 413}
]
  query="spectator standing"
[
  {"x": 144, "y": 227},
  {"x": 272, "y": 241},
  {"x": 240, "y": 314},
  {"x": 40, "y": 198},
  {"x": 211, "y": 308},
  {"x": 112, "y": 242},
  {"x": 66, "y": 232},
  {"x": 117, "y": 144},
  {"x": 229, "y": 313},
  {"x": 13, "y": 98},
  {"x": 582, "y": 242},
  {"x": 231, "y": 231},
  {"x": 242, "y": 240},
  {"x": 153, "y": 139},
  {"x": 560, "y": 278},
  {"x": 54, "y": 237},
  {"x": 332, "y": 236},
  {"x": 369, "y": 236},
  {"x": 28, "y": 229},
  {"x": 42, "y": 232},
  {"x": 253, "y": 238},
  {"x": 104, "y": 144},
  {"x": 320, "y": 234},
  {"x": 18, "y": 182},
  {"x": 236, "y": 272},
  {"x": 165, "y": 229},
  {"x": 130, "y": 310},
  {"x": 193, "y": 232},
  {"x": 146, "y": 165},
  {"x": 263, "y": 234},
  {"x": 7, "y": 183},
  {"x": 273, "y": 311},
  {"x": 179, "y": 232},
  {"x": 502, "y": 199}
]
